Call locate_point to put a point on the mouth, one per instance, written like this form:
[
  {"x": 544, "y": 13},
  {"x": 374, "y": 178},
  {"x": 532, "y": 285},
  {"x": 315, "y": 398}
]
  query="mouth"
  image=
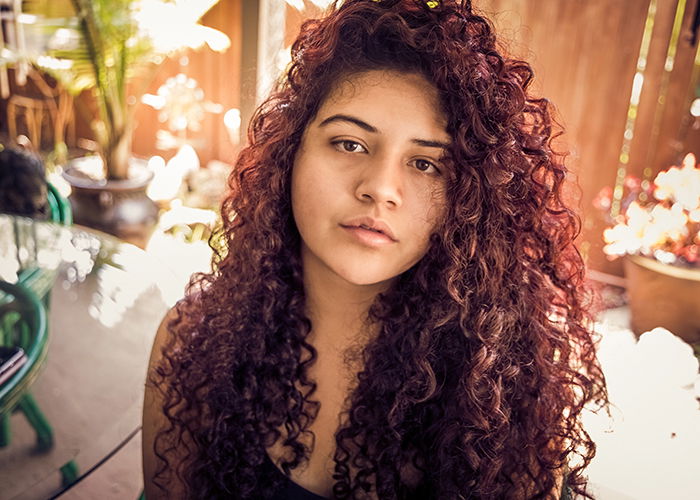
[
  {"x": 370, "y": 230},
  {"x": 364, "y": 226},
  {"x": 368, "y": 236},
  {"x": 370, "y": 226}
]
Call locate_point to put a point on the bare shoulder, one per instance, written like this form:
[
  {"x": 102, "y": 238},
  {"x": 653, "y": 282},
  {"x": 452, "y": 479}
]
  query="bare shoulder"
[
  {"x": 526, "y": 490},
  {"x": 154, "y": 419}
]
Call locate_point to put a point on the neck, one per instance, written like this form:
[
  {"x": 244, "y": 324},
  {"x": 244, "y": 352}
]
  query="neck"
[{"x": 337, "y": 308}]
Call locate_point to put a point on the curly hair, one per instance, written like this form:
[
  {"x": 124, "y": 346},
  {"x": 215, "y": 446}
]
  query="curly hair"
[{"x": 484, "y": 357}]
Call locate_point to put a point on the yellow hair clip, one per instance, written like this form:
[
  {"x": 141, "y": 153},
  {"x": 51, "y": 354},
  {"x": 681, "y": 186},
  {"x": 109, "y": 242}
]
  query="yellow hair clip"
[{"x": 430, "y": 3}]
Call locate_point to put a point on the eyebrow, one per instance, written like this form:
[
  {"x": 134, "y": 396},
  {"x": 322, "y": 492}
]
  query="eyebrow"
[
  {"x": 369, "y": 128},
  {"x": 347, "y": 118}
]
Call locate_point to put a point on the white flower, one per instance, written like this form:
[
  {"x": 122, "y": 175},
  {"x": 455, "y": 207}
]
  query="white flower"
[{"x": 681, "y": 185}]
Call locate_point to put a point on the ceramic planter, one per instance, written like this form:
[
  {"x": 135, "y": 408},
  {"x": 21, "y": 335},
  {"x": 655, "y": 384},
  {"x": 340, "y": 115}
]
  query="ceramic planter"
[
  {"x": 663, "y": 295},
  {"x": 118, "y": 207}
]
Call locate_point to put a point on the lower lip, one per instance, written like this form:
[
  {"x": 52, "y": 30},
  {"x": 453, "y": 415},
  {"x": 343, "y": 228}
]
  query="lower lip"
[{"x": 368, "y": 237}]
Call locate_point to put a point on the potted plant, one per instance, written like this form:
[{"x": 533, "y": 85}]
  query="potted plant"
[
  {"x": 657, "y": 233},
  {"x": 113, "y": 48}
]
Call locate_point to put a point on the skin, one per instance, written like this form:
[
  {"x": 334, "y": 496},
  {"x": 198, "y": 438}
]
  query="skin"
[
  {"x": 373, "y": 149},
  {"x": 389, "y": 171},
  {"x": 343, "y": 171},
  {"x": 154, "y": 420}
]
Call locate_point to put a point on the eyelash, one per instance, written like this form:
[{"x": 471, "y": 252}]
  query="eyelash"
[
  {"x": 430, "y": 164},
  {"x": 340, "y": 146}
]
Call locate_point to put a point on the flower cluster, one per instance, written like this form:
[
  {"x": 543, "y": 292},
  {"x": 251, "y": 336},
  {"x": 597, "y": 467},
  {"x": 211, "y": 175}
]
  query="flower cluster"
[{"x": 667, "y": 225}]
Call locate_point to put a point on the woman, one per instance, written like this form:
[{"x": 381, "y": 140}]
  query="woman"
[{"x": 396, "y": 310}]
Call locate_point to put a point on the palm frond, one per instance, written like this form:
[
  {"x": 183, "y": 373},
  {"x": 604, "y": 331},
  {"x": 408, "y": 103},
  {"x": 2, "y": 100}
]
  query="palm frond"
[{"x": 103, "y": 44}]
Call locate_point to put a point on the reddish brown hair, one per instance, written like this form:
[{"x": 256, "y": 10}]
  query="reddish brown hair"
[{"x": 484, "y": 358}]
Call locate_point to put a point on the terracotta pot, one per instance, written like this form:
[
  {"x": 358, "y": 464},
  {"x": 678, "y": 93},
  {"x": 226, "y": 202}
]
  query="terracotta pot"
[
  {"x": 663, "y": 295},
  {"x": 118, "y": 207}
]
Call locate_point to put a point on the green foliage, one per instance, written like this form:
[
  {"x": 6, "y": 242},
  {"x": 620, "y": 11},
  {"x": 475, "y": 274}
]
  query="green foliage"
[{"x": 99, "y": 45}]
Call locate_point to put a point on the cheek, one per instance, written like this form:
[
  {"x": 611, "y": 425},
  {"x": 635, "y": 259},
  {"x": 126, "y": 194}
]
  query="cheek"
[
  {"x": 311, "y": 194},
  {"x": 431, "y": 207},
  {"x": 302, "y": 210},
  {"x": 299, "y": 196}
]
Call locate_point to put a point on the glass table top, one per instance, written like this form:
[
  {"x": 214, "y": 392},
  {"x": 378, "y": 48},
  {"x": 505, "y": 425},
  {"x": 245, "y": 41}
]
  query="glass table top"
[{"x": 105, "y": 301}]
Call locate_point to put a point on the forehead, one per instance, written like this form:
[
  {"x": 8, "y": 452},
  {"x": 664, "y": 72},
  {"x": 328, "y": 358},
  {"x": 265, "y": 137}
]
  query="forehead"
[{"x": 385, "y": 96}]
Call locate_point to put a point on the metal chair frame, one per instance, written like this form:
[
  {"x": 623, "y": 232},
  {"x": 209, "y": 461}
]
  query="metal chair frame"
[{"x": 23, "y": 323}]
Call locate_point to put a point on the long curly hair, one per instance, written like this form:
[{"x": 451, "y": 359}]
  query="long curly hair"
[{"x": 484, "y": 357}]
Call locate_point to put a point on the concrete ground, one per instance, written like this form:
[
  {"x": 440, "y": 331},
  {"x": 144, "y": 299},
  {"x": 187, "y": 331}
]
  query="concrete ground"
[{"x": 119, "y": 478}]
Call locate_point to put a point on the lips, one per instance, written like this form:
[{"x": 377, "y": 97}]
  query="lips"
[{"x": 370, "y": 225}]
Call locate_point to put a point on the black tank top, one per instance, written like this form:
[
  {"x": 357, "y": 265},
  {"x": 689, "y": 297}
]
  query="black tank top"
[{"x": 291, "y": 490}]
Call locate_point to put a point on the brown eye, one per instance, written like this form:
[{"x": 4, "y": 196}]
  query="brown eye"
[
  {"x": 347, "y": 146},
  {"x": 426, "y": 166}
]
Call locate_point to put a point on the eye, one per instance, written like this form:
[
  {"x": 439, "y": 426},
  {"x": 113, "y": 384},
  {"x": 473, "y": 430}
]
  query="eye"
[
  {"x": 426, "y": 166},
  {"x": 347, "y": 146}
]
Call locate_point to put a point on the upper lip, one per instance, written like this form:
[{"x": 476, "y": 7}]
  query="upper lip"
[{"x": 370, "y": 223}]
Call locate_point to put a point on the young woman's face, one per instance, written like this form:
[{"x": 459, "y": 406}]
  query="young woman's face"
[{"x": 368, "y": 187}]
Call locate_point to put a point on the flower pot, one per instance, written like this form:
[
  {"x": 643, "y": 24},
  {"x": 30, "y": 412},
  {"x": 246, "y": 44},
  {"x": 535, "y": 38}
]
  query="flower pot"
[
  {"x": 118, "y": 207},
  {"x": 663, "y": 295}
]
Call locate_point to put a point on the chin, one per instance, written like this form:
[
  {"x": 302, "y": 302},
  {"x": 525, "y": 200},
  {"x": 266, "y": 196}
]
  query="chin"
[{"x": 362, "y": 274}]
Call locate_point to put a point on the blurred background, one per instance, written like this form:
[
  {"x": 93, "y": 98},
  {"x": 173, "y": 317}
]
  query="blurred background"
[
  {"x": 622, "y": 75},
  {"x": 138, "y": 110}
]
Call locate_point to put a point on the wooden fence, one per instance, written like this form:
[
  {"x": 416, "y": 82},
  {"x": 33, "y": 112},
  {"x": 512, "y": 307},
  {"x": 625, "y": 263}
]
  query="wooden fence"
[{"x": 585, "y": 56}]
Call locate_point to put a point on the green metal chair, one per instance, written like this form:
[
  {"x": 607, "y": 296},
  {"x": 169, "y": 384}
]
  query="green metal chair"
[
  {"x": 23, "y": 323},
  {"x": 38, "y": 280},
  {"x": 60, "y": 209}
]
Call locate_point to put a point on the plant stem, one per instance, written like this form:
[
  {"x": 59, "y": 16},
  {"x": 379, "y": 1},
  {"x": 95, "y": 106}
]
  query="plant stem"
[{"x": 111, "y": 100}]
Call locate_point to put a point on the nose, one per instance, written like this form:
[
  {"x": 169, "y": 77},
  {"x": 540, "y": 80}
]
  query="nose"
[{"x": 381, "y": 181}]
